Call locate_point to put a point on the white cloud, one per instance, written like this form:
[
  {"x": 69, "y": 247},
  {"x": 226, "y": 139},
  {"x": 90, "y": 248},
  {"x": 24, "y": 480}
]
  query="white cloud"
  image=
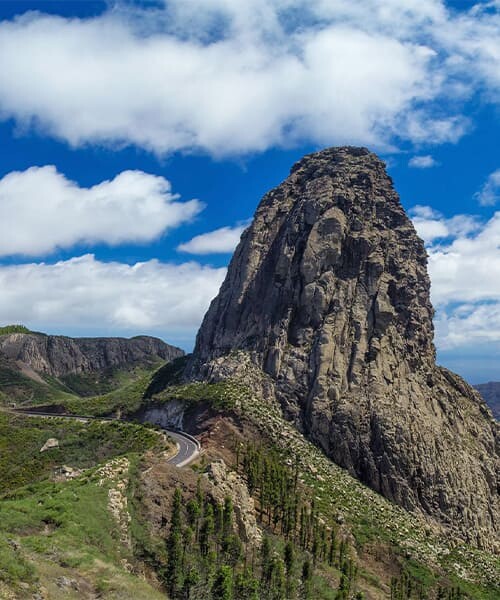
[
  {"x": 468, "y": 268},
  {"x": 469, "y": 325},
  {"x": 490, "y": 192},
  {"x": 464, "y": 266},
  {"x": 41, "y": 210},
  {"x": 422, "y": 162},
  {"x": 86, "y": 295},
  {"x": 432, "y": 225},
  {"x": 234, "y": 77},
  {"x": 220, "y": 241}
]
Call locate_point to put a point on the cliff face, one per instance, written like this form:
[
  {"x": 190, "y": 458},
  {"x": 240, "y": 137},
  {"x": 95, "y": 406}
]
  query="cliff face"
[
  {"x": 59, "y": 356},
  {"x": 328, "y": 295}
]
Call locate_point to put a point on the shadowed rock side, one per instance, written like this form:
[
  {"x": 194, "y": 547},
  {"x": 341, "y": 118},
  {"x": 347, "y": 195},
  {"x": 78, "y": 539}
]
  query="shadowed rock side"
[
  {"x": 328, "y": 295},
  {"x": 59, "y": 355}
]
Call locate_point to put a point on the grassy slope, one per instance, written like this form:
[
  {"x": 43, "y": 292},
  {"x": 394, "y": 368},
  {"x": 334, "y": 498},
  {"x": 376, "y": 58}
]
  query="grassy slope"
[
  {"x": 81, "y": 445},
  {"x": 49, "y": 529},
  {"x": 125, "y": 400},
  {"x": 8, "y": 329},
  {"x": 108, "y": 380},
  {"x": 15, "y": 387},
  {"x": 53, "y": 530},
  {"x": 110, "y": 388},
  {"x": 375, "y": 523}
]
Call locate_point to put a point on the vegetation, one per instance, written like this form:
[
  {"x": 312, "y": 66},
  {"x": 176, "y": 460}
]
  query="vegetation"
[
  {"x": 17, "y": 388},
  {"x": 7, "y": 329},
  {"x": 221, "y": 395},
  {"x": 206, "y": 559},
  {"x": 81, "y": 445},
  {"x": 169, "y": 374},
  {"x": 61, "y": 536},
  {"x": 124, "y": 400},
  {"x": 53, "y": 525},
  {"x": 317, "y": 521},
  {"x": 106, "y": 381},
  {"x": 372, "y": 520}
]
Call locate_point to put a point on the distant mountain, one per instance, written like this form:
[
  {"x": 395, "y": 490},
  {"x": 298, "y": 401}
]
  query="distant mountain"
[
  {"x": 491, "y": 393},
  {"x": 36, "y": 367}
]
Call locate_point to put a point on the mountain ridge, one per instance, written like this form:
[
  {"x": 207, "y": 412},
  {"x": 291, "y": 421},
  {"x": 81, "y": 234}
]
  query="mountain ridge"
[
  {"x": 32, "y": 364},
  {"x": 490, "y": 391}
]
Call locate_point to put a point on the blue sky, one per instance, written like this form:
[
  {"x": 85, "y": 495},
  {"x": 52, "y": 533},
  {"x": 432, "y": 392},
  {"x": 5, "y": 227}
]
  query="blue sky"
[{"x": 128, "y": 130}]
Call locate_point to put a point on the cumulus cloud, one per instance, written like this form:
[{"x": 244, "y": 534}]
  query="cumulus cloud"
[
  {"x": 468, "y": 325},
  {"x": 237, "y": 77},
  {"x": 464, "y": 266},
  {"x": 220, "y": 241},
  {"x": 467, "y": 269},
  {"x": 41, "y": 210},
  {"x": 86, "y": 295},
  {"x": 422, "y": 162},
  {"x": 490, "y": 192},
  {"x": 432, "y": 225}
]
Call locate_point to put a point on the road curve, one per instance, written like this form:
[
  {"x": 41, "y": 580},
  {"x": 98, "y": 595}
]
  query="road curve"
[{"x": 188, "y": 447}]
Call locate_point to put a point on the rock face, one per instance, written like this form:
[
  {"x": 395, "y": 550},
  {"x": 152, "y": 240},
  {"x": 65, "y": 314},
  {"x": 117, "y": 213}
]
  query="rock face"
[
  {"x": 58, "y": 355},
  {"x": 226, "y": 483},
  {"x": 328, "y": 295}
]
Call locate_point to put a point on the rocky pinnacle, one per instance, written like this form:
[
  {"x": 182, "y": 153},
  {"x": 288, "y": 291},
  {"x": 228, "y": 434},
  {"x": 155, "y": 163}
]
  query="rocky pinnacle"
[{"x": 328, "y": 295}]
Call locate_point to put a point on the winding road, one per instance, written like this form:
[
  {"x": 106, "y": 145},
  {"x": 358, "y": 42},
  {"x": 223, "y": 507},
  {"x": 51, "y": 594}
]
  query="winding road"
[{"x": 188, "y": 447}]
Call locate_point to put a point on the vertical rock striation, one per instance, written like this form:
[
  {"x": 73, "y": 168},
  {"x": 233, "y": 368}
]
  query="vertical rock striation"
[{"x": 328, "y": 294}]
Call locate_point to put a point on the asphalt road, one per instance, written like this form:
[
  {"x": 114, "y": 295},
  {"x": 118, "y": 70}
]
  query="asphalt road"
[{"x": 188, "y": 447}]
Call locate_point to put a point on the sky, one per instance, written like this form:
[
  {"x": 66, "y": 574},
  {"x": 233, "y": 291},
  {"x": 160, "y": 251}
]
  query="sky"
[{"x": 137, "y": 138}]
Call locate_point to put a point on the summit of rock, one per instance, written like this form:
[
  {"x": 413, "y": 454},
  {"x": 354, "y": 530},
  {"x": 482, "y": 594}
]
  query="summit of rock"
[{"x": 327, "y": 295}]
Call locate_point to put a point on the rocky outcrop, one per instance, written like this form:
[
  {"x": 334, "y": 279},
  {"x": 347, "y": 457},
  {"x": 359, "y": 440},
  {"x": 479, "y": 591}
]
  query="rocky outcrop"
[
  {"x": 169, "y": 414},
  {"x": 58, "y": 355},
  {"x": 327, "y": 294},
  {"x": 50, "y": 444},
  {"x": 228, "y": 484}
]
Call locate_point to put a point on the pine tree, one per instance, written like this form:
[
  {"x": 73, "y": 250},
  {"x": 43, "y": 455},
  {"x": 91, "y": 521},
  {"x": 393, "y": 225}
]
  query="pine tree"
[
  {"x": 289, "y": 558},
  {"x": 307, "y": 573},
  {"x": 277, "y": 586},
  {"x": 332, "y": 551},
  {"x": 265, "y": 560},
  {"x": 246, "y": 586},
  {"x": 191, "y": 579},
  {"x": 175, "y": 547},
  {"x": 222, "y": 588},
  {"x": 207, "y": 530},
  {"x": 227, "y": 523}
]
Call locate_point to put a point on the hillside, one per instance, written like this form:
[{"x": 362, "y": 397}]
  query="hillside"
[
  {"x": 257, "y": 473},
  {"x": 35, "y": 367}
]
